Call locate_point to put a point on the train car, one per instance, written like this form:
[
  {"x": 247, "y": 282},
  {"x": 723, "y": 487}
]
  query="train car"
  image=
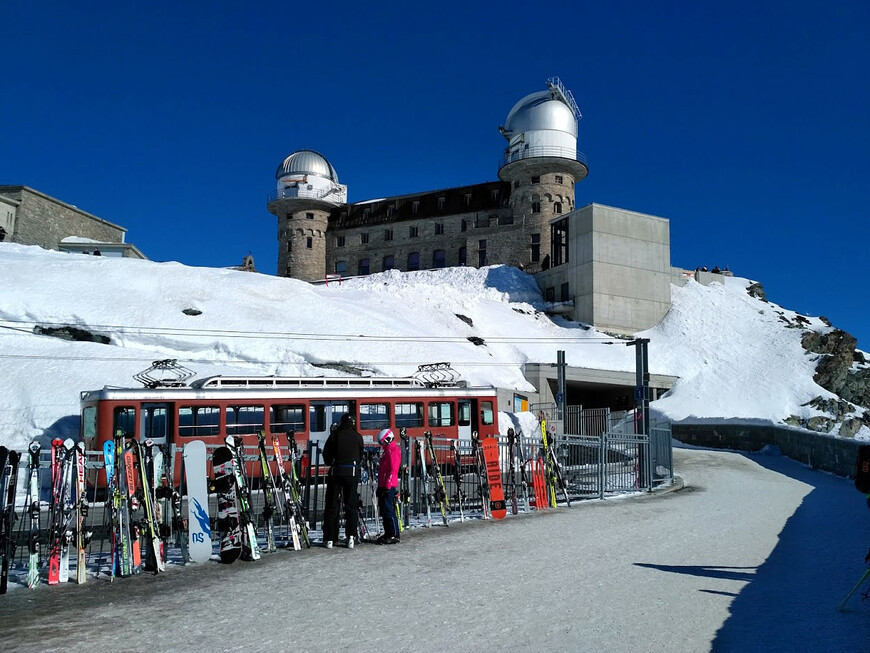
[{"x": 212, "y": 408}]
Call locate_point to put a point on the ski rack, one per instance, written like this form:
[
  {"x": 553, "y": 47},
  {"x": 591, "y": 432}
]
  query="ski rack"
[
  {"x": 169, "y": 368},
  {"x": 438, "y": 375}
]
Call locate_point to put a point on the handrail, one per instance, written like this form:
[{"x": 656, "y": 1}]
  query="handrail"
[
  {"x": 542, "y": 151},
  {"x": 301, "y": 191}
]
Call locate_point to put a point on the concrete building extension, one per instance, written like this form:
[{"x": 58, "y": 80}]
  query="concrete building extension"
[{"x": 29, "y": 217}]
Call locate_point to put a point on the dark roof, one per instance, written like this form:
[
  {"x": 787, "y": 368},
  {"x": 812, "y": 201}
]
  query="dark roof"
[{"x": 481, "y": 198}]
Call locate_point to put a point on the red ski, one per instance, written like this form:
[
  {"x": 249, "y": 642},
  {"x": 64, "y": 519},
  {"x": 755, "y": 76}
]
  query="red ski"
[{"x": 493, "y": 477}]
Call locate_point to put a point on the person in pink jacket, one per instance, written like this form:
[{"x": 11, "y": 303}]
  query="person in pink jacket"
[{"x": 388, "y": 484}]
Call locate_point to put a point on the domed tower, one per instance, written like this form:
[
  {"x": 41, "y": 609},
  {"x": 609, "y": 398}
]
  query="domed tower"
[
  {"x": 307, "y": 190},
  {"x": 542, "y": 163}
]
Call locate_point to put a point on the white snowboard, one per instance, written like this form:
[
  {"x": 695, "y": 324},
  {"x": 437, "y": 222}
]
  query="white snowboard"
[{"x": 198, "y": 527}]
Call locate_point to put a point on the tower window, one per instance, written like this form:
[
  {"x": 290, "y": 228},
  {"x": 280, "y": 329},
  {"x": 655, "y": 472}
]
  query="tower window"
[
  {"x": 388, "y": 234},
  {"x": 413, "y": 232},
  {"x": 289, "y": 245},
  {"x": 536, "y": 180},
  {"x": 463, "y": 255},
  {"x": 481, "y": 253},
  {"x": 364, "y": 267},
  {"x": 413, "y": 261},
  {"x": 389, "y": 262},
  {"x": 463, "y": 225},
  {"x": 535, "y": 248},
  {"x": 468, "y": 199},
  {"x": 340, "y": 267},
  {"x": 309, "y": 242},
  {"x": 557, "y": 207},
  {"x": 559, "y": 179},
  {"x": 506, "y": 219},
  {"x": 339, "y": 241},
  {"x": 441, "y": 202},
  {"x": 439, "y": 229},
  {"x": 309, "y": 216},
  {"x": 493, "y": 194},
  {"x": 364, "y": 238},
  {"x": 366, "y": 213},
  {"x": 439, "y": 258},
  {"x": 391, "y": 210},
  {"x": 415, "y": 206},
  {"x": 536, "y": 207},
  {"x": 517, "y": 183}
]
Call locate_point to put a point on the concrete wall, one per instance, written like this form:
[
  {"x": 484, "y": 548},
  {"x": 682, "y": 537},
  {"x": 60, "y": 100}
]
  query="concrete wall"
[
  {"x": 618, "y": 270},
  {"x": 825, "y": 452},
  {"x": 44, "y": 221},
  {"x": 8, "y": 210}
]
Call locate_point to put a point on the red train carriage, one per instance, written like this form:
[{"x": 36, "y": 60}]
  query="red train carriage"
[{"x": 212, "y": 408}]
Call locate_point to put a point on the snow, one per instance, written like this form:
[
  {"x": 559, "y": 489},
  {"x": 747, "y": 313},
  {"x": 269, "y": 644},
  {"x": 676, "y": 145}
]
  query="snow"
[{"x": 737, "y": 358}]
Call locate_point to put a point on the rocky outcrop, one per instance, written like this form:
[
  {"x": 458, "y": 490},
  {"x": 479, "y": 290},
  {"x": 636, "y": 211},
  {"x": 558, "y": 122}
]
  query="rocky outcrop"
[
  {"x": 72, "y": 333},
  {"x": 756, "y": 290},
  {"x": 834, "y": 371}
]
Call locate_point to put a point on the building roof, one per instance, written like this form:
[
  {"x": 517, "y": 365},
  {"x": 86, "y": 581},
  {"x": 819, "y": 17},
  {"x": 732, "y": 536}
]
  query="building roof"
[{"x": 307, "y": 162}]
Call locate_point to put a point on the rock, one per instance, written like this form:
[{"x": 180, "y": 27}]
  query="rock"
[
  {"x": 820, "y": 424},
  {"x": 850, "y": 427},
  {"x": 465, "y": 319},
  {"x": 192, "y": 311},
  {"x": 756, "y": 290},
  {"x": 72, "y": 333}
]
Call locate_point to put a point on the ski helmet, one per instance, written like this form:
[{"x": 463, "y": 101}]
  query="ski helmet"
[{"x": 385, "y": 436}]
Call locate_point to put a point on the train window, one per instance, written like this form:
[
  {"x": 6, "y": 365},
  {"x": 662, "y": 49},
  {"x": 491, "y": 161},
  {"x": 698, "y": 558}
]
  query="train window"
[
  {"x": 318, "y": 418},
  {"x": 198, "y": 421},
  {"x": 374, "y": 416},
  {"x": 464, "y": 413},
  {"x": 486, "y": 414},
  {"x": 409, "y": 415},
  {"x": 283, "y": 419},
  {"x": 244, "y": 419},
  {"x": 441, "y": 413},
  {"x": 89, "y": 422},
  {"x": 125, "y": 421},
  {"x": 155, "y": 424}
]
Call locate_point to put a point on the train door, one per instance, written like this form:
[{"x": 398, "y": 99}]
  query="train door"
[
  {"x": 466, "y": 419},
  {"x": 323, "y": 414},
  {"x": 155, "y": 423}
]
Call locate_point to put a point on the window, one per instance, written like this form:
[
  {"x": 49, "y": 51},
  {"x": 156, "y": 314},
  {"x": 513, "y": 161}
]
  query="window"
[
  {"x": 413, "y": 232},
  {"x": 244, "y": 419},
  {"x": 439, "y": 229},
  {"x": 557, "y": 207},
  {"x": 289, "y": 245},
  {"x": 481, "y": 253},
  {"x": 199, "y": 421},
  {"x": 486, "y": 414},
  {"x": 467, "y": 199},
  {"x": 155, "y": 422},
  {"x": 287, "y": 418},
  {"x": 413, "y": 261},
  {"x": 559, "y": 179},
  {"x": 536, "y": 180},
  {"x": 364, "y": 265},
  {"x": 550, "y": 294},
  {"x": 441, "y": 202},
  {"x": 309, "y": 216},
  {"x": 366, "y": 212},
  {"x": 309, "y": 242},
  {"x": 536, "y": 207},
  {"x": 339, "y": 241},
  {"x": 517, "y": 183},
  {"x": 89, "y": 422},
  {"x": 481, "y": 221},
  {"x": 493, "y": 194},
  {"x": 506, "y": 219},
  {"x": 340, "y": 267},
  {"x": 409, "y": 415},
  {"x": 373, "y": 417},
  {"x": 463, "y": 255},
  {"x": 464, "y": 413},
  {"x": 441, "y": 414},
  {"x": 439, "y": 258},
  {"x": 559, "y": 241},
  {"x": 536, "y": 248},
  {"x": 391, "y": 210},
  {"x": 388, "y": 234},
  {"x": 563, "y": 292},
  {"x": 389, "y": 262},
  {"x": 415, "y": 206},
  {"x": 364, "y": 238},
  {"x": 463, "y": 225},
  {"x": 124, "y": 421}
]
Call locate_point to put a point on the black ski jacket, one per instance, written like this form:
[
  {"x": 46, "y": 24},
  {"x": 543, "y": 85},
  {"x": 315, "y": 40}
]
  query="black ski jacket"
[{"x": 343, "y": 451}]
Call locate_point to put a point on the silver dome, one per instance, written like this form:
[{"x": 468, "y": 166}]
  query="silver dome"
[
  {"x": 307, "y": 162},
  {"x": 538, "y": 111}
]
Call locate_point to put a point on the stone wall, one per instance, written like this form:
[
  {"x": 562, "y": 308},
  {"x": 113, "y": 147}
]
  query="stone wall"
[
  {"x": 825, "y": 452},
  {"x": 44, "y": 221}
]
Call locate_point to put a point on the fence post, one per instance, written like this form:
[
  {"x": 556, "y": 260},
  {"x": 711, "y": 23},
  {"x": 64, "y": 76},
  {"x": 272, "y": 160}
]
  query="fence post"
[{"x": 602, "y": 463}]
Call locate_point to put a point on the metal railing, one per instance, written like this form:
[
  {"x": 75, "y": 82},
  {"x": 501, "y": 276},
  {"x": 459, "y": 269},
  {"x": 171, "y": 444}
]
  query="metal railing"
[{"x": 542, "y": 151}]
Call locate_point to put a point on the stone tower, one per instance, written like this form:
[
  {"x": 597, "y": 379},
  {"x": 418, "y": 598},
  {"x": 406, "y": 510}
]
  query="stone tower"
[
  {"x": 307, "y": 190},
  {"x": 542, "y": 164}
]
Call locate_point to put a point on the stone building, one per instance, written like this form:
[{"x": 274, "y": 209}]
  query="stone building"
[
  {"x": 617, "y": 280},
  {"x": 29, "y": 217}
]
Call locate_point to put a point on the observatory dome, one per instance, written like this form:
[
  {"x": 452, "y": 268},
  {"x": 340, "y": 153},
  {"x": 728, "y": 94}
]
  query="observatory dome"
[
  {"x": 307, "y": 162},
  {"x": 539, "y": 111}
]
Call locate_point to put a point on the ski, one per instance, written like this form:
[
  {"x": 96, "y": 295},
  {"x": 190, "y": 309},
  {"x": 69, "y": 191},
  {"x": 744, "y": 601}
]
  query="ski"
[
  {"x": 296, "y": 492},
  {"x": 549, "y": 473},
  {"x": 243, "y": 497},
  {"x": 272, "y": 506},
  {"x": 497, "y": 507},
  {"x": 130, "y": 487},
  {"x": 162, "y": 489},
  {"x": 153, "y": 550},
  {"x": 69, "y": 448},
  {"x": 121, "y": 509},
  {"x": 404, "y": 493},
  {"x": 556, "y": 467},
  {"x": 33, "y": 510},
  {"x": 83, "y": 537},
  {"x": 198, "y": 522},
  {"x": 286, "y": 492},
  {"x": 424, "y": 479},
  {"x": 109, "y": 468},
  {"x": 228, "y": 512},
  {"x": 8, "y": 486},
  {"x": 512, "y": 473},
  {"x": 480, "y": 472},
  {"x": 524, "y": 476},
  {"x": 440, "y": 490},
  {"x": 459, "y": 497}
]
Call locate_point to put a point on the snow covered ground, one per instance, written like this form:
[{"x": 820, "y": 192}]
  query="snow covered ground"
[
  {"x": 736, "y": 356},
  {"x": 754, "y": 554}
]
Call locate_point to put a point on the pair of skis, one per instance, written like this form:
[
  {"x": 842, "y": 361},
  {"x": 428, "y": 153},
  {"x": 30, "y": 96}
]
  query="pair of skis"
[
  {"x": 236, "y": 521},
  {"x": 439, "y": 490},
  {"x": 8, "y": 484},
  {"x": 487, "y": 468}
]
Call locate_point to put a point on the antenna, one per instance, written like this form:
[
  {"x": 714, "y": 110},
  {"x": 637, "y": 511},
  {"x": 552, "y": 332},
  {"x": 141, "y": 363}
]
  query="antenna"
[
  {"x": 437, "y": 375},
  {"x": 166, "y": 373}
]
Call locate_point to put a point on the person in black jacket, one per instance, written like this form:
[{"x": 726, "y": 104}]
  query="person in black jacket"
[{"x": 343, "y": 452}]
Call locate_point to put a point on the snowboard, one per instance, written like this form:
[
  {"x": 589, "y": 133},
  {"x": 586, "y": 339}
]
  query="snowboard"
[
  {"x": 862, "y": 470},
  {"x": 497, "y": 506},
  {"x": 198, "y": 525},
  {"x": 228, "y": 512}
]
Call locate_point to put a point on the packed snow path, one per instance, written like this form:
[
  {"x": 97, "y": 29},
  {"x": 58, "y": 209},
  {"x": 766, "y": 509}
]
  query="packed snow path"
[{"x": 754, "y": 554}]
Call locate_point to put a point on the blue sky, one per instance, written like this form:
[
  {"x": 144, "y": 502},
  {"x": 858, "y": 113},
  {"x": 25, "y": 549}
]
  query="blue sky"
[{"x": 745, "y": 125}]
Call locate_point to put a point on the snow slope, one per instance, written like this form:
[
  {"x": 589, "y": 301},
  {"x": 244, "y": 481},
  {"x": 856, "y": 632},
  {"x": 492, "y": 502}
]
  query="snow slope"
[{"x": 735, "y": 355}]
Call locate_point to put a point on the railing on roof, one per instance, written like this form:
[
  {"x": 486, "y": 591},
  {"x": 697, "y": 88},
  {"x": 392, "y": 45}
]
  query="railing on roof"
[
  {"x": 556, "y": 86},
  {"x": 262, "y": 382},
  {"x": 306, "y": 191},
  {"x": 542, "y": 151}
]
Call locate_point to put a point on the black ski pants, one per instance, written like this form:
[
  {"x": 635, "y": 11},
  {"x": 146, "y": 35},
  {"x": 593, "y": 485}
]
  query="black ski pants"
[{"x": 340, "y": 490}]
